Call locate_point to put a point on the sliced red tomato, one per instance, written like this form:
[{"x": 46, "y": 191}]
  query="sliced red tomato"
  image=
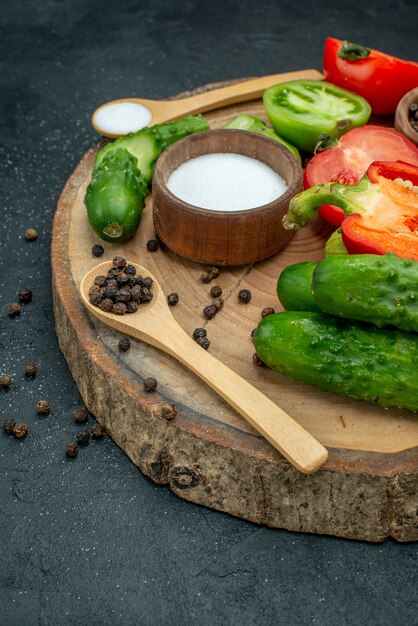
[
  {"x": 350, "y": 158},
  {"x": 380, "y": 78}
]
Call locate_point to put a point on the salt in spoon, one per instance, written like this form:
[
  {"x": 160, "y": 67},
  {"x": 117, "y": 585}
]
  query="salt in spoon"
[{"x": 154, "y": 324}]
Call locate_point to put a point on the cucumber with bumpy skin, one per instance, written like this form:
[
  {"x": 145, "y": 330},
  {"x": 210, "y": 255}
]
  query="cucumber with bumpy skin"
[
  {"x": 342, "y": 356},
  {"x": 294, "y": 287},
  {"x": 382, "y": 290},
  {"x": 122, "y": 176}
]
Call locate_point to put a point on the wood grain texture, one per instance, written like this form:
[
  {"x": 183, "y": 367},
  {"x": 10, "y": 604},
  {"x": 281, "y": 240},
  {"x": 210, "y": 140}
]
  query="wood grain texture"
[
  {"x": 368, "y": 489},
  {"x": 224, "y": 237}
]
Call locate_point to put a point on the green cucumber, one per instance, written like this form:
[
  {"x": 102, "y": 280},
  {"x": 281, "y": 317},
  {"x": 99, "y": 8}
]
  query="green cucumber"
[
  {"x": 342, "y": 356},
  {"x": 147, "y": 144},
  {"x": 382, "y": 290},
  {"x": 294, "y": 287},
  {"x": 122, "y": 177}
]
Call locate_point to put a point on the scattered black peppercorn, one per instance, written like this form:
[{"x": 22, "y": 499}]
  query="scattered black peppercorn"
[
  {"x": 119, "y": 261},
  {"x": 124, "y": 344},
  {"x": 81, "y": 415},
  {"x": 268, "y": 310},
  {"x": 25, "y": 295},
  {"x": 213, "y": 272},
  {"x": 203, "y": 342},
  {"x": 218, "y": 302},
  {"x": 244, "y": 296},
  {"x": 152, "y": 245},
  {"x": 31, "y": 369},
  {"x": 253, "y": 332},
  {"x": 20, "y": 430},
  {"x": 97, "y": 431},
  {"x": 30, "y": 234},
  {"x": 216, "y": 291},
  {"x": 43, "y": 408},
  {"x": 8, "y": 426},
  {"x": 199, "y": 332},
  {"x": 14, "y": 309},
  {"x": 210, "y": 311},
  {"x": 97, "y": 250},
  {"x": 173, "y": 298},
  {"x": 258, "y": 361},
  {"x": 168, "y": 411},
  {"x": 71, "y": 449},
  {"x": 205, "y": 277},
  {"x": 150, "y": 385},
  {"x": 5, "y": 382},
  {"x": 83, "y": 436}
]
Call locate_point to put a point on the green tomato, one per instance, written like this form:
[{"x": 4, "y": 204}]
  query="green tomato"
[{"x": 302, "y": 110}]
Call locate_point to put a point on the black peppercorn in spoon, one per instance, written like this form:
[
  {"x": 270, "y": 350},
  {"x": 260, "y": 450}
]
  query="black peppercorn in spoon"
[{"x": 154, "y": 324}]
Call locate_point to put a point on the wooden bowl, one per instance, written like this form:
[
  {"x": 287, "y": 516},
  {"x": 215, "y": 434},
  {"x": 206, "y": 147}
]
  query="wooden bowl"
[
  {"x": 401, "y": 116},
  {"x": 224, "y": 237}
]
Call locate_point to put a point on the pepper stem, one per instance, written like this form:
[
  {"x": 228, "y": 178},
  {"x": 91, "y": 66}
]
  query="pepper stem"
[
  {"x": 353, "y": 51},
  {"x": 304, "y": 205}
]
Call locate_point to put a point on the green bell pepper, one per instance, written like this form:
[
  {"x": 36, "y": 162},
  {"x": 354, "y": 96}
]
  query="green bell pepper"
[{"x": 255, "y": 125}]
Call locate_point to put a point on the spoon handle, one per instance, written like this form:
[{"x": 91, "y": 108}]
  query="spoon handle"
[
  {"x": 233, "y": 94},
  {"x": 286, "y": 435}
]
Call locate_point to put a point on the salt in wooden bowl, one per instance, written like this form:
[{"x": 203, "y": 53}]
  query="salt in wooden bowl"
[{"x": 230, "y": 237}]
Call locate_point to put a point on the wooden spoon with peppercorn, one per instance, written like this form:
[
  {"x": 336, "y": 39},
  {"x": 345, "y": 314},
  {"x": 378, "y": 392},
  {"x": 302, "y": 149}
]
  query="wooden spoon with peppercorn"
[{"x": 151, "y": 321}]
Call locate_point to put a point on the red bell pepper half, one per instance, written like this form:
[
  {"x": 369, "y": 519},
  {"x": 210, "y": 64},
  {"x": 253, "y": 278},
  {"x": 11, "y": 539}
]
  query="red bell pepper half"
[
  {"x": 381, "y": 211},
  {"x": 380, "y": 78},
  {"x": 347, "y": 160}
]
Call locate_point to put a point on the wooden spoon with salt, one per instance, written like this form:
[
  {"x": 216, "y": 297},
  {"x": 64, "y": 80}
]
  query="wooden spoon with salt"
[
  {"x": 113, "y": 118},
  {"x": 154, "y": 324}
]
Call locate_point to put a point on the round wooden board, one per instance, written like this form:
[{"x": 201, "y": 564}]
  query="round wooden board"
[{"x": 368, "y": 489}]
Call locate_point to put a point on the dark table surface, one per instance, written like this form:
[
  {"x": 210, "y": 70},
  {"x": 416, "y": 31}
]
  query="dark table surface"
[{"x": 93, "y": 541}]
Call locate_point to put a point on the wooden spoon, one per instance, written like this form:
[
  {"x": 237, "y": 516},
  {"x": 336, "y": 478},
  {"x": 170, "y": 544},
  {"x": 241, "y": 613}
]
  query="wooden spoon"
[
  {"x": 164, "y": 110},
  {"x": 154, "y": 324}
]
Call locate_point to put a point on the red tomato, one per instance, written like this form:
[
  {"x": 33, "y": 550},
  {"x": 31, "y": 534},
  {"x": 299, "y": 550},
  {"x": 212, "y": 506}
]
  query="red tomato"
[
  {"x": 348, "y": 161},
  {"x": 380, "y": 78}
]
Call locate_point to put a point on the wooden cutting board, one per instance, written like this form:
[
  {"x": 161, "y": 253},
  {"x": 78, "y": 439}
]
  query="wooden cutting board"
[{"x": 368, "y": 489}]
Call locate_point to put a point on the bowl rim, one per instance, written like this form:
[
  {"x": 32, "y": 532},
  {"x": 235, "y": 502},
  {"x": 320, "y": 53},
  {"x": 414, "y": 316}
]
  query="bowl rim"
[
  {"x": 401, "y": 115},
  {"x": 285, "y": 154}
]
